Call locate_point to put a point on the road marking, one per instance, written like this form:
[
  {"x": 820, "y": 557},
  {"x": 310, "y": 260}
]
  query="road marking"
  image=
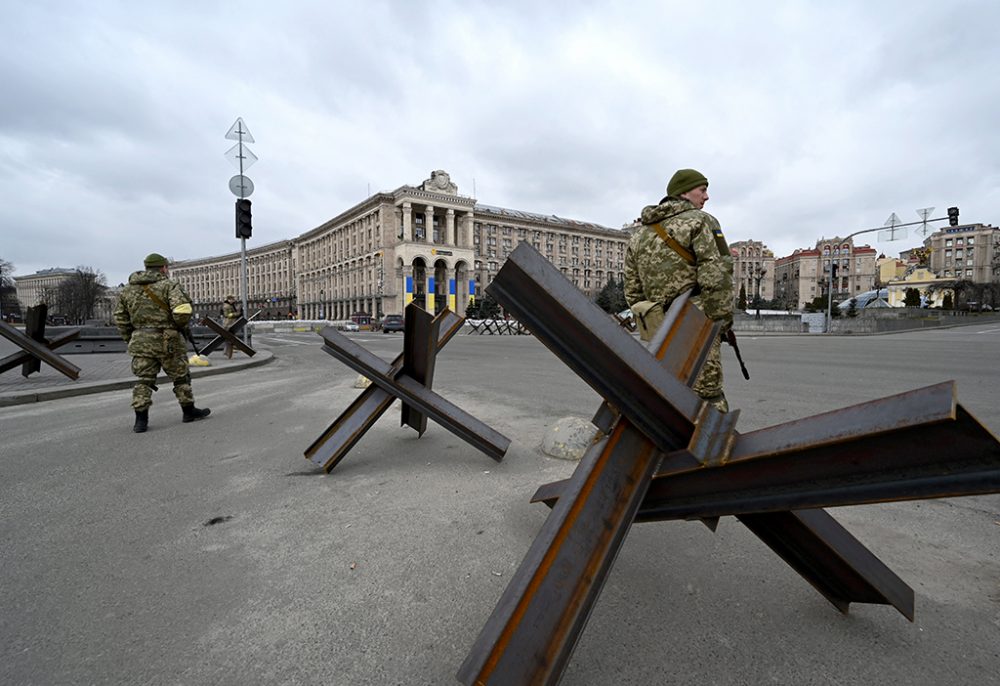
[
  {"x": 989, "y": 331},
  {"x": 283, "y": 340}
]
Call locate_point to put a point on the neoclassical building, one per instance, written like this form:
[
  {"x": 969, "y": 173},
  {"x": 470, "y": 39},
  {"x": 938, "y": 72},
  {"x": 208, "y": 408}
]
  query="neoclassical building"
[
  {"x": 805, "y": 274},
  {"x": 969, "y": 252},
  {"x": 426, "y": 244},
  {"x": 753, "y": 267}
]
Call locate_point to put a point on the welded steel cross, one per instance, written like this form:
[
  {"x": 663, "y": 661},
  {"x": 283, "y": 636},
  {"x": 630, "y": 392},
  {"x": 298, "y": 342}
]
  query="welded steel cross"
[
  {"x": 669, "y": 455},
  {"x": 409, "y": 377},
  {"x": 226, "y": 335},
  {"x": 35, "y": 347}
]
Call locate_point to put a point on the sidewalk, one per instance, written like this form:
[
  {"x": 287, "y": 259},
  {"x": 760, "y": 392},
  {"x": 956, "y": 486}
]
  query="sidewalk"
[{"x": 100, "y": 372}]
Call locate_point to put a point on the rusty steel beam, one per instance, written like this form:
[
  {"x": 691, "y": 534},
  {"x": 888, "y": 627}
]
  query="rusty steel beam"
[
  {"x": 915, "y": 445},
  {"x": 19, "y": 358},
  {"x": 345, "y": 431},
  {"x": 411, "y": 391},
  {"x": 531, "y": 633},
  {"x": 420, "y": 334},
  {"x": 599, "y": 351},
  {"x": 39, "y": 352},
  {"x": 224, "y": 335},
  {"x": 826, "y": 555},
  {"x": 530, "y": 636}
]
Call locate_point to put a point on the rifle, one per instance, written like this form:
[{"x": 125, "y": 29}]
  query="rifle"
[
  {"x": 730, "y": 338},
  {"x": 185, "y": 331}
]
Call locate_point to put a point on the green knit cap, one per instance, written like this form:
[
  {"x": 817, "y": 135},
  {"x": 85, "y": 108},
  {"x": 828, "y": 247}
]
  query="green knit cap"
[
  {"x": 685, "y": 180},
  {"x": 154, "y": 259}
]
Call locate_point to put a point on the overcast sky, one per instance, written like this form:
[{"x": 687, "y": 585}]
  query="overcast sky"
[{"x": 810, "y": 119}]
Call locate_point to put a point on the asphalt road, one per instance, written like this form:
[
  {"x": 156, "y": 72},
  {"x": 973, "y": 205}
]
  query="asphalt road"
[{"x": 384, "y": 571}]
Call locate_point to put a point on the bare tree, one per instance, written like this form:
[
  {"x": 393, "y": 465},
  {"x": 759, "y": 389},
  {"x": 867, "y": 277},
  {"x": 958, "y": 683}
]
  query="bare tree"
[
  {"x": 77, "y": 296},
  {"x": 8, "y": 293}
]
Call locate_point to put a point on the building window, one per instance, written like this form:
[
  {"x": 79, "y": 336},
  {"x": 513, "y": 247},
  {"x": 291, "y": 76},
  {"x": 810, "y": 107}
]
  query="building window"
[
  {"x": 968, "y": 272},
  {"x": 970, "y": 240},
  {"x": 947, "y": 242}
]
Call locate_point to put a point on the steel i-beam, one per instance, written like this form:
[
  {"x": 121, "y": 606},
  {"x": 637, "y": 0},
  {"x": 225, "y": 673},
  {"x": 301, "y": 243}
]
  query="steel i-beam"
[
  {"x": 39, "y": 351},
  {"x": 530, "y": 635},
  {"x": 345, "y": 431},
  {"x": 414, "y": 393}
]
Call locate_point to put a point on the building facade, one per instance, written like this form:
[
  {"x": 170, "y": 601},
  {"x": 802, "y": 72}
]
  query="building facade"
[
  {"x": 426, "y": 244},
  {"x": 753, "y": 270},
  {"x": 40, "y": 287},
  {"x": 796, "y": 280},
  {"x": 970, "y": 252},
  {"x": 806, "y": 274}
]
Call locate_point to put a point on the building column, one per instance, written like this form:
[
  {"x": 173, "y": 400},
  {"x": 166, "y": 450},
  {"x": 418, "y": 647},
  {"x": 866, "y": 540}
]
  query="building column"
[
  {"x": 449, "y": 227},
  {"x": 406, "y": 289},
  {"x": 429, "y": 285},
  {"x": 407, "y": 221},
  {"x": 452, "y": 290},
  {"x": 470, "y": 225},
  {"x": 429, "y": 224}
]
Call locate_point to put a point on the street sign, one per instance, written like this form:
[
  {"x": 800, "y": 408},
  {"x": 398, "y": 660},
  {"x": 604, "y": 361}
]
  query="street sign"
[
  {"x": 239, "y": 132},
  {"x": 241, "y": 156},
  {"x": 241, "y": 186}
]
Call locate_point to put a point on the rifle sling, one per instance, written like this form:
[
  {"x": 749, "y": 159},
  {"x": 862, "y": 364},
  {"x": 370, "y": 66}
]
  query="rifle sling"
[
  {"x": 159, "y": 301},
  {"x": 684, "y": 253}
]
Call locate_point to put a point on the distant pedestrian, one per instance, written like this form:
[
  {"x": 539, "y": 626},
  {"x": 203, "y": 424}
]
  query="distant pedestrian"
[
  {"x": 150, "y": 314},
  {"x": 230, "y": 313}
]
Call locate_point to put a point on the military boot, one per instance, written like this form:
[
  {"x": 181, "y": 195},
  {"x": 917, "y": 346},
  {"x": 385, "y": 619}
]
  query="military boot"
[
  {"x": 193, "y": 414},
  {"x": 141, "y": 421}
]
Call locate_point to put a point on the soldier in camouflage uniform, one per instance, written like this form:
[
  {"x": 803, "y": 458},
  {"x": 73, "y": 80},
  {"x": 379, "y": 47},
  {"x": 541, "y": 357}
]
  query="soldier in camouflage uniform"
[
  {"x": 230, "y": 313},
  {"x": 149, "y": 315},
  {"x": 680, "y": 247}
]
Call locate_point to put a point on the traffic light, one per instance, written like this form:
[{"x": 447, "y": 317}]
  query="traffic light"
[
  {"x": 243, "y": 226},
  {"x": 953, "y": 216}
]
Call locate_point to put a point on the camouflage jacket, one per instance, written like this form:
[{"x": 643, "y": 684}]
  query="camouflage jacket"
[
  {"x": 656, "y": 273},
  {"x": 229, "y": 312},
  {"x": 136, "y": 311}
]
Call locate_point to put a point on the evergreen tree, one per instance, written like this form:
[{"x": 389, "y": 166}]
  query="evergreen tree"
[
  {"x": 742, "y": 302},
  {"x": 472, "y": 309},
  {"x": 911, "y": 297},
  {"x": 852, "y": 308},
  {"x": 488, "y": 307},
  {"x": 947, "y": 302}
]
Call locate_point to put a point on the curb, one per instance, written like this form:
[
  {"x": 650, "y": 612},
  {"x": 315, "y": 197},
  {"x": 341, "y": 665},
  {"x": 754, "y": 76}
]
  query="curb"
[{"x": 24, "y": 397}]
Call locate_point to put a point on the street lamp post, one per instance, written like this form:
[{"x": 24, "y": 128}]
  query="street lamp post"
[{"x": 758, "y": 275}]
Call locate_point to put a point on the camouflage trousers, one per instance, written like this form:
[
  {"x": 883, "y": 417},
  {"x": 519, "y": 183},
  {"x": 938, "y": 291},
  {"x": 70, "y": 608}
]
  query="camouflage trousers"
[
  {"x": 708, "y": 385},
  {"x": 169, "y": 353}
]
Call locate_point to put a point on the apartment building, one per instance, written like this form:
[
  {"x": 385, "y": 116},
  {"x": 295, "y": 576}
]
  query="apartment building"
[{"x": 753, "y": 269}]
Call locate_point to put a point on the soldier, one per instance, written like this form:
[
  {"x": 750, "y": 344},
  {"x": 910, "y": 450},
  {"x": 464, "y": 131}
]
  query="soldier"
[
  {"x": 230, "y": 313},
  {"x": 680, "y": 247},
  {"x": 149, "y": 315}
]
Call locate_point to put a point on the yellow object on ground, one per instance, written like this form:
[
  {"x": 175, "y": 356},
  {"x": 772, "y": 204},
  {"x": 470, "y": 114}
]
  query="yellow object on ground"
[{"x": 198, "y": 361}]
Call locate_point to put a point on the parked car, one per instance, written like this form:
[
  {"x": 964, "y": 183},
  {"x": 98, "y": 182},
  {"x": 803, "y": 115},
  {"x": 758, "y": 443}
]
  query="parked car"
[
  {"x": 392, "y": 322},
  {"x": 351, "y": 326}
]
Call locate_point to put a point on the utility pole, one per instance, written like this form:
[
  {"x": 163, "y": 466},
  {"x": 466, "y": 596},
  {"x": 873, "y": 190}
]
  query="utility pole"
[{"x": 242, "y": 187}]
